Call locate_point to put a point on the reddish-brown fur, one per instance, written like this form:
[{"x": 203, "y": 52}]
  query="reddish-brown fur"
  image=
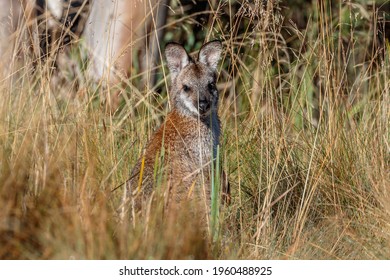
[
  {"x": 181, "y": 164},
  {"x": 186, "y": 144}
]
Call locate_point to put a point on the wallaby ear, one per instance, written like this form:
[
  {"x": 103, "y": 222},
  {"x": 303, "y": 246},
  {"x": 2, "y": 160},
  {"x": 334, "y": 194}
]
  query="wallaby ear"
[
  {"x": 210, "y": 53},
  {"x": 177, "y": 58}
]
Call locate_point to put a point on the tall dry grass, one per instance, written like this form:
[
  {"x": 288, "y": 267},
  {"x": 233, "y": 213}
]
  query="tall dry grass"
[{"x": 305, "y": 114}]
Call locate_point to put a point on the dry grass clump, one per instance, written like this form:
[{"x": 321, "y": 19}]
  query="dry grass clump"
[{"x": 305, "y": 112}]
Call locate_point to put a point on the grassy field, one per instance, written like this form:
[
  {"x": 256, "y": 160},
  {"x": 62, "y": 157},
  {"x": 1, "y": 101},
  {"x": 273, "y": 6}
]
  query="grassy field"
[{"x": 305, "y": 110}]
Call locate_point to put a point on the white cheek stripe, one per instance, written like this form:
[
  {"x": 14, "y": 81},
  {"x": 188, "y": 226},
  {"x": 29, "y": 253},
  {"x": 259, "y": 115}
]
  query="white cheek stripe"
[{"x": 189, "y": 104}]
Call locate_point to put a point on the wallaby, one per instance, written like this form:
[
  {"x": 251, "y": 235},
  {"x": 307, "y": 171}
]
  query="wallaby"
[{"x": 186, "y": 143}]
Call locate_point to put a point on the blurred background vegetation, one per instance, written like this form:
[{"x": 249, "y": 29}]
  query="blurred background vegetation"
[{"x": 305, "y": 110}]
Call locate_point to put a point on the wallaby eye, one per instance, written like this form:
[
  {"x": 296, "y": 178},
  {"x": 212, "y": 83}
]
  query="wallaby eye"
[
  {"x": 211, "y": 86},
  {"x": 186, "y": 88}
]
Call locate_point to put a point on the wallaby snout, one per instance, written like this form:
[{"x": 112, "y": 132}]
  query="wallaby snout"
[{"x": 204, "y": 106}]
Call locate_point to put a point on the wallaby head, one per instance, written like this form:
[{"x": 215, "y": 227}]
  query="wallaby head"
[{"x": 193, "y": 91}]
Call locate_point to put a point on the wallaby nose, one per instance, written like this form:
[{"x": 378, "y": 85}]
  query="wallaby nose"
[{"x": 204, "y": 105}]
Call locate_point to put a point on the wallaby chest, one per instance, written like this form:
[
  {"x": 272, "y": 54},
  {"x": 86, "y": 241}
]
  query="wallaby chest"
[{"x": 189, "y": 141}]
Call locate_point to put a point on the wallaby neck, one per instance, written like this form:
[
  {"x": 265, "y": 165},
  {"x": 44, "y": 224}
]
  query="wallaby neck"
[{"x": 213, "y": 123}]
